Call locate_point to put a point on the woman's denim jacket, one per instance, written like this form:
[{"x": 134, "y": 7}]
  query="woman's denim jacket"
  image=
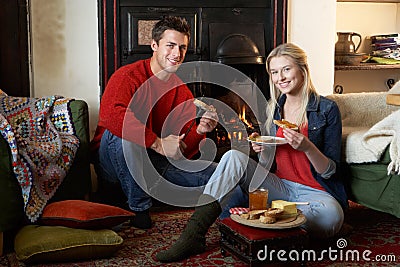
[{"x": 325, "y": 131}]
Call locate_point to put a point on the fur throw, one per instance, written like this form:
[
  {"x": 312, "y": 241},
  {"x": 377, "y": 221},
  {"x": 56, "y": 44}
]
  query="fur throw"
[{"x": 368, "y": 145}]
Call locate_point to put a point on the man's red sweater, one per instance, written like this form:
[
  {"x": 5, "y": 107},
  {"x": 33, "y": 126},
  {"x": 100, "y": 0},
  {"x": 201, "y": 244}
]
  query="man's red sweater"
[{"x": 138, "y": 107}]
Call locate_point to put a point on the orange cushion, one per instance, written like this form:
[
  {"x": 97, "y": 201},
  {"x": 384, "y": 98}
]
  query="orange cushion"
[{"x": 83, "y": 214}]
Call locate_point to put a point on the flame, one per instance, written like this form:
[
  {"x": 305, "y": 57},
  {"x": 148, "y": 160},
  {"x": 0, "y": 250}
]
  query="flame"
[
  {"x": 235, "y": 136},
  {"x": 242, "y": 117}
]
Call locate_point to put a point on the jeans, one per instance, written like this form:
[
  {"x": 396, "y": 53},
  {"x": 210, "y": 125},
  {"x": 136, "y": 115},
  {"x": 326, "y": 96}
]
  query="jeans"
[
  {"x": 141, "y": 172},
  {"x": 324, "y": 214}
]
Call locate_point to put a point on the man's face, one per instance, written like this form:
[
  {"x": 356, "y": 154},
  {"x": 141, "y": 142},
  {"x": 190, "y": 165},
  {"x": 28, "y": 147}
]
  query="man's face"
[{"x": 170, "y": 51}]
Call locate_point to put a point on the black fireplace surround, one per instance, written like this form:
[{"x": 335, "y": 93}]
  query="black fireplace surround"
[
  {"x": 239, "y": 34},
  {"x": 236, "y": 32}
]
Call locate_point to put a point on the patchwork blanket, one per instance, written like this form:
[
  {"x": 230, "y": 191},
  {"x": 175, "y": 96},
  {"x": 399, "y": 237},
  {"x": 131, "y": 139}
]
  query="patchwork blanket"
[
  {"x": 368, "y": 146},
  {"x": 43, "y": 144}
]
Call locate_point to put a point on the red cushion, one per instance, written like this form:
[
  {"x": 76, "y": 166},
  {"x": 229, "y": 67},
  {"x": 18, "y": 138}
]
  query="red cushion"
[
  {"x": 253, "y": 233},
  {"x": 84, "y": 214}
]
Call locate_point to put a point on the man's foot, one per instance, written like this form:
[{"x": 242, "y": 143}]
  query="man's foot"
[{"x": 141, "y": 220}]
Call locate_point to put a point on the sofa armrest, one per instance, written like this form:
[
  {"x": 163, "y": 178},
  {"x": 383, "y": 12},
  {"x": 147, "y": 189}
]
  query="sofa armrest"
[
  {"x": 362, "y": 109},
  {"x": 77, "y": 184}
]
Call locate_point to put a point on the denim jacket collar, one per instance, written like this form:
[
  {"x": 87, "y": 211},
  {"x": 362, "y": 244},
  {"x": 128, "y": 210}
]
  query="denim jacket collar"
[{"x": 311, "y": 106}]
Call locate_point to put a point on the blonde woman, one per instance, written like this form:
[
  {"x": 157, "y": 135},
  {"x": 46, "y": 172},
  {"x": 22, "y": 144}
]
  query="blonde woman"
[{"x": 307, "y": 167}]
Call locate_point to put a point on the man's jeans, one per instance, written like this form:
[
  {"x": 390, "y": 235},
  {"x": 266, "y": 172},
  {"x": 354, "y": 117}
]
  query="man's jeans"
[{"x": 135, "y": 168}]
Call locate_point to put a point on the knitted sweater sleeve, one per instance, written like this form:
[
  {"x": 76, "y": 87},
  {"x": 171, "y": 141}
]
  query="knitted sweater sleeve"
[
  {"x": 115, "y": 114},
  {"x": 129, "y": 111}
]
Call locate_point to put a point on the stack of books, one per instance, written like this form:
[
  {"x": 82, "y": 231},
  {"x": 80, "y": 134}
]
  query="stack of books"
[{"x": 386, "y": 46}]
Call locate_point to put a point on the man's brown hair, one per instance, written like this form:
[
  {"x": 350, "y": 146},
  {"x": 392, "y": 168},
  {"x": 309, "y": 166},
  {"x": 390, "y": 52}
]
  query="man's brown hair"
[{"x": 170, "y": 23}]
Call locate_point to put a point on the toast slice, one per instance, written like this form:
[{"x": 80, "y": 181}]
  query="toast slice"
[{"x": 286, "y": 124}]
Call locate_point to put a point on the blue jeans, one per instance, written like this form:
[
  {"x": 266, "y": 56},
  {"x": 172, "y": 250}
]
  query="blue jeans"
[
  {"x": 141, "y": 172},
  {"x": 324, "y": 214}
]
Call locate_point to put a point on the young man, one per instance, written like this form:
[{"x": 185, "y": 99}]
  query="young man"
[{"x": 146, "y": 112}]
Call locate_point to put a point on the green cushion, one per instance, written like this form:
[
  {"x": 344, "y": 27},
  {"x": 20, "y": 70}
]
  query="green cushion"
[{"x": 36, "y": 244}]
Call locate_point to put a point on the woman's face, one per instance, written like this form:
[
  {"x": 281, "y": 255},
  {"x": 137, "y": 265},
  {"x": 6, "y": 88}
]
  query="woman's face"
[{"x": 286, "y": 75}]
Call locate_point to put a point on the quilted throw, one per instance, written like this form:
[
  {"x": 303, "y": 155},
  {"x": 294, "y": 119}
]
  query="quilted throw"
[{"x": 43, "y": 144}]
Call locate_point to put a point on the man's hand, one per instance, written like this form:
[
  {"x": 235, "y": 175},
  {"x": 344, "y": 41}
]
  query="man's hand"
[
  {"x": 170, "y": 146},
  {"x": 208, "y": 122}
]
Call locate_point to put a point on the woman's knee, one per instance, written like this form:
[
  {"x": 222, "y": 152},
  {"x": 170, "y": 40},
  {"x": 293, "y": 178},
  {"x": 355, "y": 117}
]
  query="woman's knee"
[
  {"x": 235, "y": 157},
  {"x": 325, "y": 222}
]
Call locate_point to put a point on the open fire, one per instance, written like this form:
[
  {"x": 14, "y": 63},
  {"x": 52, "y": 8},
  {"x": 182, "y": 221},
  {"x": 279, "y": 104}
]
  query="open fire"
[
  {"x": 235, "y": 134},
  {"x": 242, "y": 117}
]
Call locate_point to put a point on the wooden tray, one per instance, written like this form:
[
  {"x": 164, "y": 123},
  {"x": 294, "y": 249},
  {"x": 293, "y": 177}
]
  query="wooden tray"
[{"x": 284, "y": 223}]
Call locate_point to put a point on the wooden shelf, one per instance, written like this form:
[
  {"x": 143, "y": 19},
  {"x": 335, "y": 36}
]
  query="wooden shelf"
[{"x": 367, "y": 66}]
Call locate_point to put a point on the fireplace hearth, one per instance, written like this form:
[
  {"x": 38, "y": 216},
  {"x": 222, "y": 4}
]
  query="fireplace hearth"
[{"x": 236, "y": 33}]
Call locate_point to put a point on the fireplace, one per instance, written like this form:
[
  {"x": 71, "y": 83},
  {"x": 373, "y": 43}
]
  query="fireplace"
[{"x": 235, "y": 33}]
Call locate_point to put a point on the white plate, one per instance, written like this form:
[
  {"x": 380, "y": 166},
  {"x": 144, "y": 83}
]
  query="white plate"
[
  {"x": 290, "y": 222},
  {"x": 268, "y": 140}
]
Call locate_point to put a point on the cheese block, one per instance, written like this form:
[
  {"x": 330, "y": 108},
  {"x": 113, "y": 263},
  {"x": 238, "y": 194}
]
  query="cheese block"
[
  {"x": 288, "y": 208},
  {"x": 393, "y": 99}
]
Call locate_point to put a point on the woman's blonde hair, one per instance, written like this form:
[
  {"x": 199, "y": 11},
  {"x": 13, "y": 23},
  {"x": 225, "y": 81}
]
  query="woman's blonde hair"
[{"x": 299, "y": 57}]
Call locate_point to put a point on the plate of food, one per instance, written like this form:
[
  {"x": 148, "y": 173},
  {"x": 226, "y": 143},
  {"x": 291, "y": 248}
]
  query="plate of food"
[
  {"x": 271, "y": 218},
  {"x": 267, "y": 140}
]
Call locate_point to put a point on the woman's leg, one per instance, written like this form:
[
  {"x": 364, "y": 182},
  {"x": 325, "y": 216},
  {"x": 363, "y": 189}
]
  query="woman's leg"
[
  {"x": 235, "y": 169},
  {"x": 223, "y": 180},
  {"x": 323, "y": 213},
  {"x": 230, "y": 173}
]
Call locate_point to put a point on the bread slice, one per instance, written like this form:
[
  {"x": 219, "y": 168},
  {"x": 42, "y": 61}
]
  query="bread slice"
[
  {"x": 286, "y": 124},
  {"x": 202, "y": 105},
  {"x": 267, "y": 219},
  {"x": 255, "y": 214},
  {"x": 273, "y": 212}
]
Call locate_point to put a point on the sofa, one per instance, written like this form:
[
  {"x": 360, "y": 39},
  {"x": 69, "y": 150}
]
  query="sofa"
[
  {"x": 76, "y": 184},
  {"x": 368, "y": 181}
]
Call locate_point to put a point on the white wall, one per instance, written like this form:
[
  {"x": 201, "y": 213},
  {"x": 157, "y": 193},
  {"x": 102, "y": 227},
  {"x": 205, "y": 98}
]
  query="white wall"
[
  {"x": 65, "y": 52},
  {"x": 311, "y": 25}
]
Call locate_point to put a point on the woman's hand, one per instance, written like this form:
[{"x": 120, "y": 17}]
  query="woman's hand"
[
  {"x": 256, "y": 147},
  {"x": 297, "y": 140}
]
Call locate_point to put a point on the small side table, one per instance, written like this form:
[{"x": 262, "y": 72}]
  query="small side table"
[{"x": 259, "y": 247}]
